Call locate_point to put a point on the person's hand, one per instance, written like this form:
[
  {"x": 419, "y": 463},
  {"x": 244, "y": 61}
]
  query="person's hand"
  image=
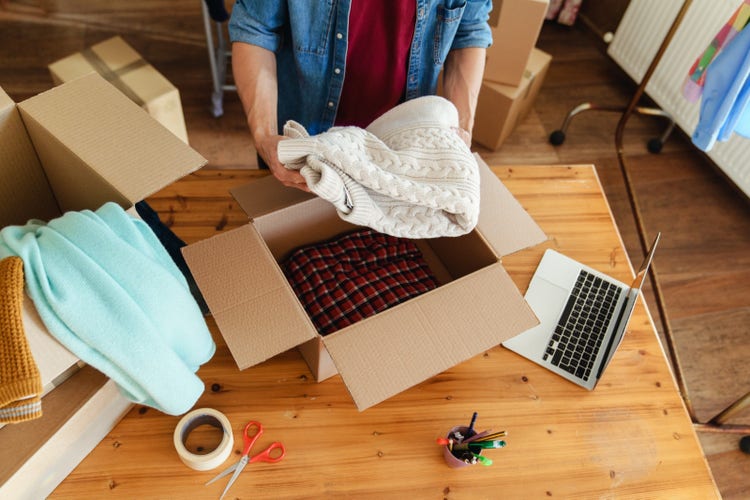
[
  {"x": 266, "y": 147},
  {"x": 464, "y": 134}
]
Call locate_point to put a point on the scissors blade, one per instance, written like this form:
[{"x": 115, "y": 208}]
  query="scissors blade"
[
  {"x": 237, "y": 469},
  {"x": 223, "y": 473}
]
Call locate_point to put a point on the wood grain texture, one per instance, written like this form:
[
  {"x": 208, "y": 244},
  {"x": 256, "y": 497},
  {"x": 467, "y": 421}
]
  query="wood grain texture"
[{"x": 629, "y": 438}]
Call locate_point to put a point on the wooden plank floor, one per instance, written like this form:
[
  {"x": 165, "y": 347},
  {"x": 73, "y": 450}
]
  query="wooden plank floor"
[{"x": 703, "y": 261}]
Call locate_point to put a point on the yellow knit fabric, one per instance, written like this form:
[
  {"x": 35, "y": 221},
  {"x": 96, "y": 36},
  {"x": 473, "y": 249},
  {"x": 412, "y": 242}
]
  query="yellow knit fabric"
[{"x": 20, "y": 381}]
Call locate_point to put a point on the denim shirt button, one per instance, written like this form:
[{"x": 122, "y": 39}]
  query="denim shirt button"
[
  {"x": 330, "y": 104},
  {"x": 337, "y": 71},
  {"x": 339, "y": 36},
  {"x": 421, "y": 13}
]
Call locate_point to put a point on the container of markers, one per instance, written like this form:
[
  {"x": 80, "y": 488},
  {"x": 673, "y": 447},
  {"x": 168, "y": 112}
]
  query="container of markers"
[{"x": 462, "y": 447}]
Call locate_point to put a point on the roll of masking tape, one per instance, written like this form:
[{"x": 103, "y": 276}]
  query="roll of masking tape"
[{"x": 196, "y": 418}]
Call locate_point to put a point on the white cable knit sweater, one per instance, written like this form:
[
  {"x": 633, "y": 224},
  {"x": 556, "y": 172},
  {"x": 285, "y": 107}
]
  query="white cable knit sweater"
[{"x": 408, "y": 174}]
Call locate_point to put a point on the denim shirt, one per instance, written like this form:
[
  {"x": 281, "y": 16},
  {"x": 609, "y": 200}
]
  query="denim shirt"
[{"x": 309, "y": 38}]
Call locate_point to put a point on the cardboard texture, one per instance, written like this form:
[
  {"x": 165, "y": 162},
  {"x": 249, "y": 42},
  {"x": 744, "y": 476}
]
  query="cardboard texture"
[
  {"x": 515, "y": 28},
  {"x": 55, "y": 362},
  {"x": 24, "y": 189},
  {"x": 73, "y": 147},
  {"x": 40, "y": 453},
  {"x": 476, "y": 307},
  {"x": 118, "y": 63},
  {"x": 407, "y": 344},
  {"x": 501, "y": 107}
]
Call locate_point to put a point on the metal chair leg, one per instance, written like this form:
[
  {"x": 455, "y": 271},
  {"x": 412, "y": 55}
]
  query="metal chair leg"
[
  {"x": 218, "y": 59},
  {"x": 654, "y": 145},
  {"x": 217, "y": 96}
]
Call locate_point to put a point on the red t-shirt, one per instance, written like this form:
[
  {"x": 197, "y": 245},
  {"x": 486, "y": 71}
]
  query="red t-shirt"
[{"x": 380, "y": 34}]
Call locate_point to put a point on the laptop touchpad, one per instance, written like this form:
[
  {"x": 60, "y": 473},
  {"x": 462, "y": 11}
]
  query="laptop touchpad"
[{"x": 547, "y": 300}]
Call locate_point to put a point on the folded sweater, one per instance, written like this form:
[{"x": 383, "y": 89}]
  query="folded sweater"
[
  {"x": 408, "y": 174},
  {"x": 108, "y": 291},
  {"x": 20, "y": 380}
]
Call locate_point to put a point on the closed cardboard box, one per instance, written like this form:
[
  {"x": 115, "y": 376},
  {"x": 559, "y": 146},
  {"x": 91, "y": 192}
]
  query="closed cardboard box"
[
  {"x": 118, "y": 63},
  {"x": 501, "y": 107},
  {"x": 515, "y": 29},
  {"x": 475, "y": 307},
  {"x": 74, "y": 147}
]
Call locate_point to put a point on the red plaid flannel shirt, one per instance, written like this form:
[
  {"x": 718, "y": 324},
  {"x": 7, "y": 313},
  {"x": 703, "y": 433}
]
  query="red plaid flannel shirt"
[{"x": 355, "y": 276}]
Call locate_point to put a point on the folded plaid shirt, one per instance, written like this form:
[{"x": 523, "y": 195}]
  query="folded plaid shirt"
[{"x": 355, "y": 276}]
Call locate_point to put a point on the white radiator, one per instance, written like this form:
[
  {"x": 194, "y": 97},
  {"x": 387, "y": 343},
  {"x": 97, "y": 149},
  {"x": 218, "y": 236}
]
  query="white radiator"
[{"x": 636, "y": 41}]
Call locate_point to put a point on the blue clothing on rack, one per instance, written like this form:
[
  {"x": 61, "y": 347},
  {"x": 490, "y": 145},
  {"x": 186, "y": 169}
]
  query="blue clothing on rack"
[
  {"x": 724, "y": 103},
  {"x": 107, "y": 289}
]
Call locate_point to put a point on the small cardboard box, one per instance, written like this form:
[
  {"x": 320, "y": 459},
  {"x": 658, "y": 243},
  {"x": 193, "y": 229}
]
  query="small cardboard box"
[
  {"x": 515, "y": 29},
  {"x": 501, "y": 107},
  {"x": 74, "y": 147},
  {"x": 118, "y": 63},
  {"x": 476, "y": 307}
]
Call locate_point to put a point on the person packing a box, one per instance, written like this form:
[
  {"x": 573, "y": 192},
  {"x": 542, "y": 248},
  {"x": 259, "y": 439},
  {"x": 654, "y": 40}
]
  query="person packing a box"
[{"x": 379, "y": 54}]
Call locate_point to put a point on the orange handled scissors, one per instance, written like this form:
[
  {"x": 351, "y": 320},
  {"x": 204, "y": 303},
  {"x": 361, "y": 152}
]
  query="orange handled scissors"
[{"x": 272, "y": 454}]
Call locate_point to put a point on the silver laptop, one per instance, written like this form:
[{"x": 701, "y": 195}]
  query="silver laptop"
[{"x": 582, "y": 317}]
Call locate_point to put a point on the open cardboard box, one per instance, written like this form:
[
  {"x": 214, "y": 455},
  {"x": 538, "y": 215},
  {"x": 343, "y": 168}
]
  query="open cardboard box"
[
  {"x": 79, "y": 145},
  {"x": 476, "y": 307},
  {"x": 74, "y": 147}
]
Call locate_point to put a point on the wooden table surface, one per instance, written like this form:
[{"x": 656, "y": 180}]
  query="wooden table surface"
[{"x": 631, "y": 437}]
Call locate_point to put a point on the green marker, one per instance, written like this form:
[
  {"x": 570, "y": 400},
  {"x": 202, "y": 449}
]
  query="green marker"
[
  {"x": 488, "y": 444},
  {"x": 483, "y": 460},
  {"x": 478, "y": 445}
]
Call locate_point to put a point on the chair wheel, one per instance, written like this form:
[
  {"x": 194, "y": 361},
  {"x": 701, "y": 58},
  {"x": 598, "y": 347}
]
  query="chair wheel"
[
  {"x": 745, "y": 444},
  {"x": 654, "y": 146},
  {"x": 557, "y": 137}
]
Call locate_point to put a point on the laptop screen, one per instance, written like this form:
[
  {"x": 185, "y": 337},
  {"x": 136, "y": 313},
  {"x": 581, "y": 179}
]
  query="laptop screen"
[
  {"x": 640, "y": 276},
  {"x": 627, "y": 310}
]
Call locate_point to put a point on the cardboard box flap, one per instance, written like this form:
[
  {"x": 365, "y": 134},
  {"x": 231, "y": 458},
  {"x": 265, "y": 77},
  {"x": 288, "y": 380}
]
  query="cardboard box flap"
[
  {"x": 503, "y": 222},
  {"x": 266, "y": 195},
  {"x": 96, "y": 145},
  {"x": 404, "y": 346},
  {"x": 251, "y": 301},
  {"x": 24, "y": 190}
]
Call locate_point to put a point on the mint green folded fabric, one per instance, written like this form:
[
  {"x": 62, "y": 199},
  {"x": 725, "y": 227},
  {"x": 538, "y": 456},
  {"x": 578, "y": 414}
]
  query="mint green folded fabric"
[{"x": 108, "y": 291}]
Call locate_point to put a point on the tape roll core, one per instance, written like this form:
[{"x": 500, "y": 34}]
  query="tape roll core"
[{"x": 194, "y": 419}]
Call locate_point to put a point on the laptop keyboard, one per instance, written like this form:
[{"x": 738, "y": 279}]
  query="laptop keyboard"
[{"x": 580, "y": 331}]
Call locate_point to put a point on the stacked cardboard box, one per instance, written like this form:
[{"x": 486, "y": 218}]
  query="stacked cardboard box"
[
  {"x": 118, "y": 63},
  {"x": 74, "y": 147},
  {"x": 514, "y": 70}
]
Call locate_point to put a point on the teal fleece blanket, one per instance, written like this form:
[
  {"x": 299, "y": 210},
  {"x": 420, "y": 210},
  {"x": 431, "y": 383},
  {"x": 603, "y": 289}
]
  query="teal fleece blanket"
[{"x": 108, "y": 291}]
